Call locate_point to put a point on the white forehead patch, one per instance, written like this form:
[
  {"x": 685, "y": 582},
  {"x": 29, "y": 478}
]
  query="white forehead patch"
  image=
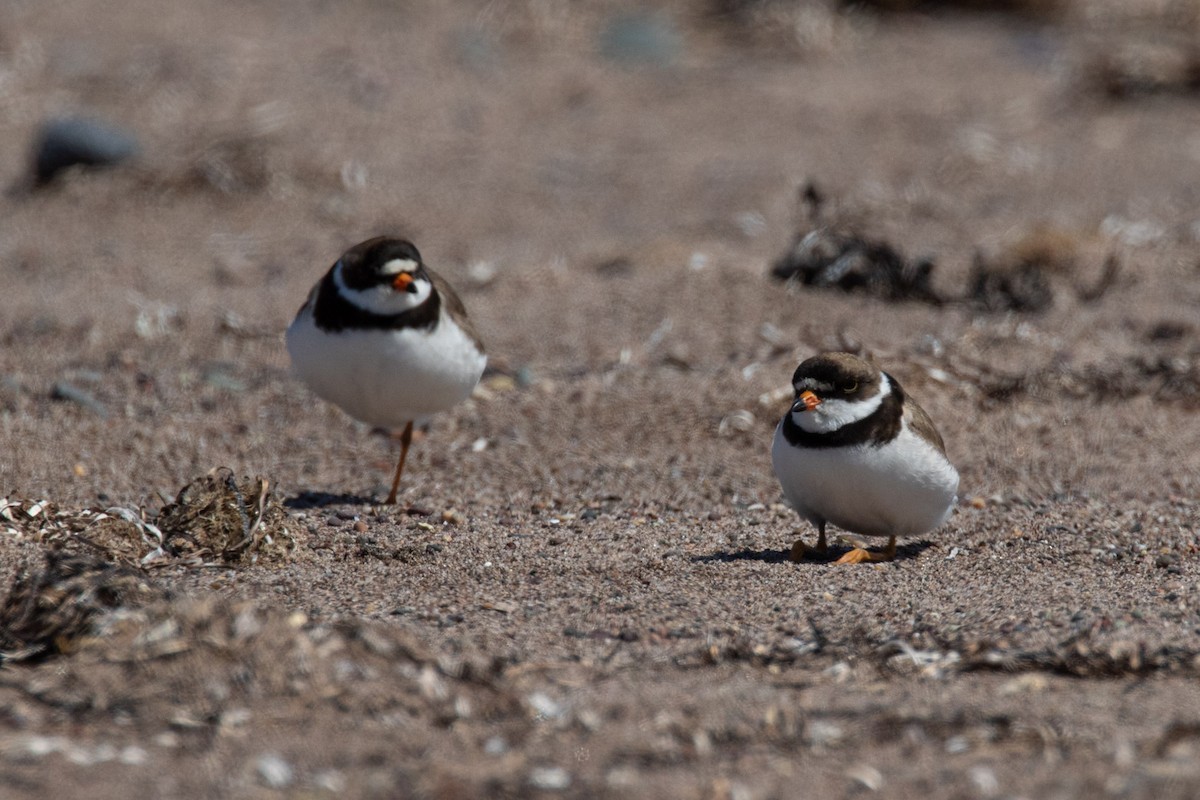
[{"x": 398, "y": 265}]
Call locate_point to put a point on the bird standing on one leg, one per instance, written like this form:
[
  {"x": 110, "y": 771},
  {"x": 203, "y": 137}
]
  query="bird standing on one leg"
[
  {"x": 856, "y": 451},
  {"x": 386, "y": 339}
]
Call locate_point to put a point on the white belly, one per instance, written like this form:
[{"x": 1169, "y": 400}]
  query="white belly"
[
  {"x": 386, "y": 378},
  {"x": 903, "y": 488}
]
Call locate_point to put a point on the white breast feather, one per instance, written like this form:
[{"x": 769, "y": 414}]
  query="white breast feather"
[
  {"x": 386, "y": 378},
  {"x": 902, "y": 488}
]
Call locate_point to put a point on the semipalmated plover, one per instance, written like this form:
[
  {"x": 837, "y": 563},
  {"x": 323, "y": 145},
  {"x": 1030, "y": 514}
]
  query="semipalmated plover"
[
  {"x": 386, "y": 339},
  {"x": 856, "y": 451}
]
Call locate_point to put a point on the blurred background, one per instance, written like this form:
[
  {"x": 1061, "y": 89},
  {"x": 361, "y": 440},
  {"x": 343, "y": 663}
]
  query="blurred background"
[{"x": 177, "y": 175}]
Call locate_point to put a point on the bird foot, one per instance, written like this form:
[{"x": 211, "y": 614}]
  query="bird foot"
[
  {"x": 860, "y": 554},
  {"x": 800, "y": 551}
]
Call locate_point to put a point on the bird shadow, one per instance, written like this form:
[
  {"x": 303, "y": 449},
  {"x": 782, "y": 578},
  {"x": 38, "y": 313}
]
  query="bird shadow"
[
  {"x": 306, "y": 500},
  {"x": 768, "y": 556},
  {"x": 904, "y": 552}
]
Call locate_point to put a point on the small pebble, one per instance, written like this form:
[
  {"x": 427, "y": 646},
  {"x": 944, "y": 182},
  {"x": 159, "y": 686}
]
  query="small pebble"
[
  {"x": 525, "y": 377},
  {"x": 132, "y": 755},
  {"x": 166, "y": 739},
  {"x": 273, "y": 771},
  {"x": 501, "y": 383},
  {"x": 985, "y": 780},
  {"x": 957, "y": 744},
  {"x": 331, "y": 780},
  {"x": 545, "y": 706},
  {"x": 550, "y": 778},
  {"x": 866, "y": 776},
  {"x": 823, "y": 734},
  {"x": 481, "y": 273},
  {"x": 220, "y": 379}
]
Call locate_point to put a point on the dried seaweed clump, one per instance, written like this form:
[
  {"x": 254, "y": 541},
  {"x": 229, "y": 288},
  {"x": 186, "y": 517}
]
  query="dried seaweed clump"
[
  {"x": 114, "y": 534},
  {"x": 1027, "y": 9},
  {"x": 829, "y": 254},
  {"x": 1022, "y": 276},
  {"x": 1083, "y": 659},
  {"x": 54, "y": 610},
  {"x": 1020, "y": 286},
  {"x": 214, "y": 517},
  {"x": 219, "y": 517},
  {"x": 218, "y": 656},
  {"x": 1131, "y": 69},
  {"x": 1166, "y": 379},
  {"x": 1026, "y": 276}
]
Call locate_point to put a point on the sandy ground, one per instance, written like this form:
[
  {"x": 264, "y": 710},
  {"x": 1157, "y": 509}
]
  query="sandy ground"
[{"x": 584, "y": 592}]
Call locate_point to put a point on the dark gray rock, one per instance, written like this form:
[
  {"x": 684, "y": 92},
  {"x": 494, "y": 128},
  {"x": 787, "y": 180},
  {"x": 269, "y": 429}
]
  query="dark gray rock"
[
  {"x": 73, "y": 394},
  {"x": 68, "y": 141},
  {"x": 641, "y": 38}
]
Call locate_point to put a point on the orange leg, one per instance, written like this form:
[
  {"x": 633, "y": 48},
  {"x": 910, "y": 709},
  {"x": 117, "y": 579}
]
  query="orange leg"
[
  {"x": 860, "y": 555},
  {"x": 800, "y": 549},
  {"x": 405, "y": 441}
]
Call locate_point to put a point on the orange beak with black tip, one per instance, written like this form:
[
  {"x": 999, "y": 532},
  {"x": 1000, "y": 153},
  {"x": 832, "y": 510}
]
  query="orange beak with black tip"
[
  {"x": 807, "y": 401},
  {"x": 402, "y": 281}
]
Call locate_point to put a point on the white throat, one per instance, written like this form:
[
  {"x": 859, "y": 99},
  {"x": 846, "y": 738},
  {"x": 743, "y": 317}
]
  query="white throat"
[
  {"x": 831, "y": 415},
  {"x": 383, "y": 299}
]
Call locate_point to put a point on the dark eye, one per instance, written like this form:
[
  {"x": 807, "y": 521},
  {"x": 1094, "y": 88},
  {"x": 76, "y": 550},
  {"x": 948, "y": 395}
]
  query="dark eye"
[{"x": 850, "y": 388}]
